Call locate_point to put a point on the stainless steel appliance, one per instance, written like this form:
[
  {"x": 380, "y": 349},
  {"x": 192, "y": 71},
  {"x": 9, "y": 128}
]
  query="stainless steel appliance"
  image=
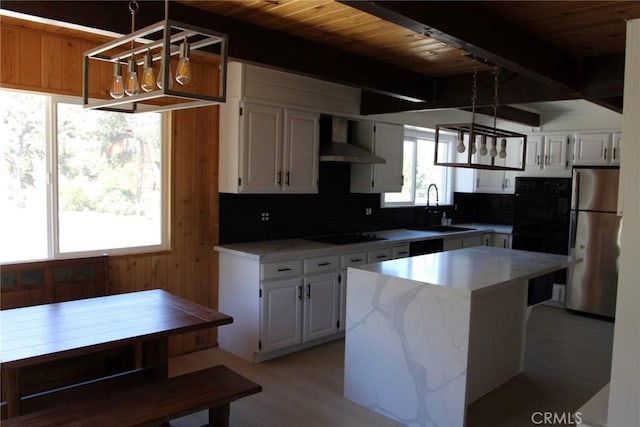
[{"x": 594, "y": 237}]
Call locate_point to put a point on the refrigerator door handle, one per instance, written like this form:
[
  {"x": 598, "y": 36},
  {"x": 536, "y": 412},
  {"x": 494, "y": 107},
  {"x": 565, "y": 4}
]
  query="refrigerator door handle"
[{"x": 573, "y": 229}]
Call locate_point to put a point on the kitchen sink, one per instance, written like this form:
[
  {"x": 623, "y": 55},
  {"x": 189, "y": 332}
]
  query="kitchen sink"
[{"x": 441, "y": 228}]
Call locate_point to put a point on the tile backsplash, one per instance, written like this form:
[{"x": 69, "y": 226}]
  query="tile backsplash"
[{"x": 253, "y": 217}]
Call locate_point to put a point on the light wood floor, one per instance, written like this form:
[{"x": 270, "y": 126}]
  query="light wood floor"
[{"x": 568, "y": 359}]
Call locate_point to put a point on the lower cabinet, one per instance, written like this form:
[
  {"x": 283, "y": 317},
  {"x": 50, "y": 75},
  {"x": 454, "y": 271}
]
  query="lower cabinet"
[
  {"x": 501, "y": 240},
  {"x": 321, "y": 306},
  {"x": 451, "y": 244},
  {"x": 280, "y": 314}
]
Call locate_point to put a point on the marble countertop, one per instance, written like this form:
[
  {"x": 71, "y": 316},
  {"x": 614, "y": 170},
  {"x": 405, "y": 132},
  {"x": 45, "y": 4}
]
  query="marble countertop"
[
  {"x": 286, "y": 248},
  {"x": 472, "y": 270}
]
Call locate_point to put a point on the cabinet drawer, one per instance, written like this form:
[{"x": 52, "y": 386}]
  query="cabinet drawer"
[
  {"x": 353, "y": 259},
  {"x": 400, "y": 251},
  {"x": 378, "y": 255},
  {"x": 277, "y": 270},
  {"x": 321, "y": 263}
]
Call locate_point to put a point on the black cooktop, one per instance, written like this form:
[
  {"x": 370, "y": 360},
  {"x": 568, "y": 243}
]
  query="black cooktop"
[{"x": 345, "y": 239}]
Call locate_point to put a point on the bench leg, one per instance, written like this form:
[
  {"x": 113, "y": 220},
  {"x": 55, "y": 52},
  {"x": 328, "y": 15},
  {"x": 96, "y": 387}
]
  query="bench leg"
[{"x": 219, "y": 416}]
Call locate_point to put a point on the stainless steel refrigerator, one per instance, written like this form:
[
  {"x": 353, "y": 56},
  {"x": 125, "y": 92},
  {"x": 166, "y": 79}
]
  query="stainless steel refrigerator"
[{"x": 592, "y": 284}]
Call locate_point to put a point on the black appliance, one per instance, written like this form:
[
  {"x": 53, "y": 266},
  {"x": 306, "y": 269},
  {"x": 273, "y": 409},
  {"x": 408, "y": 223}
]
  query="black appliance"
[
  {"x": 541, "y": 218},
  {"x": 423, "y": 247}
]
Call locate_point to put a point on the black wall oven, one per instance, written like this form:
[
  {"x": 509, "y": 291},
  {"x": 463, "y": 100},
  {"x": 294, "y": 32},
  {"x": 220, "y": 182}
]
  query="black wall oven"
[{"x": 541, "y": 215}]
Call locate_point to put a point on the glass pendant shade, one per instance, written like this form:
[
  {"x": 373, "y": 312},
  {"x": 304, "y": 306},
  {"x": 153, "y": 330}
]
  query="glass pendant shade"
[
  {"x": 183, "y": 71},
  {"x": 117, "y": 84},
  {"x": 132, "y": 86},
  {"x": 148, "y": 81}
]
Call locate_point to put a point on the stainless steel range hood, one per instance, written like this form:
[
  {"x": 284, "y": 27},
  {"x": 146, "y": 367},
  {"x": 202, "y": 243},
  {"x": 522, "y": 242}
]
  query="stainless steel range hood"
[{"x": 338, "y": 149}]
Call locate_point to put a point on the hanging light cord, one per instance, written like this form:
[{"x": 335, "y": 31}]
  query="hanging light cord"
[
  {"x": 496, "y": 71},
  {"x": 133, "y": 8},
  {"x": 474, "y": 93}
]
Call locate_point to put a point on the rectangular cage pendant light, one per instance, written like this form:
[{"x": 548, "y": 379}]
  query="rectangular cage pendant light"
[
  {"x": 480, "y": 147},
  {"x": 166, "y": 66}
]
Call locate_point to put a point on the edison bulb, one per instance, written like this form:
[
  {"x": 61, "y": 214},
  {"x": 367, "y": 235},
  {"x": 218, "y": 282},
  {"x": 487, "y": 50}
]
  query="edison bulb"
[
  {"x": 460, "y": 147},
  {"x": 503, "y": 148},
  {"x": 160, "y": 82},
  {"x": 132, "y": 87},
  {"x": 148, "y": 81},
  {"x": 494, "y": 151},
  {"x": 117, "y": 84},
  {"x": 183, "y": 71},
  {"x": 483, "y": 145}
]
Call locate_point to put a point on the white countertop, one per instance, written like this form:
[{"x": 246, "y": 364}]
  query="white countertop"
[
  {"x": 471, "y": 270},
  {"x": 285, "y": 248}
]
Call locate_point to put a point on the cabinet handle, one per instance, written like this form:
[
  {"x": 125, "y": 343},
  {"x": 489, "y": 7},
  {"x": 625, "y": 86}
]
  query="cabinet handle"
[
  {"x": 546, "y": 159},
  {"x": 356, "y": 260},
  {"x": 308, "y": 291},
  {"x": 287, "y": 181},
  {"x": 300, "y": 292},
  {"x": 381, "y": 256},
  {"x": 403, "y": 253},
  {"x": 605, "y": 154},
  {"x": 322, "y": 264},
  {"x": 504, "y": 243},
  {"x": 279, "y": 177},
  {"x": 284, "y": 269},
  {"x": 538, "y": 159},
  {"x": 615, "y": 155}
]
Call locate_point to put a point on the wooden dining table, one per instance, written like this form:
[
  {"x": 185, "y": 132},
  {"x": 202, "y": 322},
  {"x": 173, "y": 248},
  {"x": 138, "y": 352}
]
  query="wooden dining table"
[{"x": 60, "y": 335}]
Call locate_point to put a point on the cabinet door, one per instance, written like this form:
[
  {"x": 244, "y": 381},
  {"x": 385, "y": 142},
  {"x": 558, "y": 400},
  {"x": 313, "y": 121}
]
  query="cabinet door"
[
  {"x": 452, "y": 244},
  {"x": 281, "y": 314},
  {"x": 555, "y": 152},
  {"x": 321, "y": 306},
  {"x": 534, "y": 154},
  {"x": 500, "y": 240},
  {"x": 261, "y": 149},
  {"x": 591, "y": 149},
  {"x": 471, "y": 241},
  {"x": 301, "y": 136},
  {"x": 389, "y": 138}
]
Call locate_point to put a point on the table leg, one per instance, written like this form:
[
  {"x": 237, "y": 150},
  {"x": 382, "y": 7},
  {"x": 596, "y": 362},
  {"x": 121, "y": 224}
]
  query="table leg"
[
  {"x": 155, "y": 354},
  {"x": 10, "y": 379},
  {"x": 219, "y": 416}
]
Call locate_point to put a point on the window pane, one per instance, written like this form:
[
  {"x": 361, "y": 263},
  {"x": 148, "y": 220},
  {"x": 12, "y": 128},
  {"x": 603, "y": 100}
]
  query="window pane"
[
  {"x": 109, "y": 179},
  {"x": 406, "y": 195},
  {"x": 23, "y": 177},
  {"x": 427, "y": 173}
]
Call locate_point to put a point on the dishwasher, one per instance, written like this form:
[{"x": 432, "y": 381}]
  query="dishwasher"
[{"x": 422, "y": 247}]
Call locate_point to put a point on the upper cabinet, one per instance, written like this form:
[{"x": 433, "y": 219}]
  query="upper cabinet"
[
  {"x": 498, "y": 181},
  {"x": 597, "y": 149},
  {"x": 268, "y": 149},
  {"x": 384, "y": 140},
  {"x": 547, "y": 153}
]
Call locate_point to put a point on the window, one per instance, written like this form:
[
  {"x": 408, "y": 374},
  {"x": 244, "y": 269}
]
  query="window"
[
  {"x": 76, "y": 182},
  {"x": 419, "y": 171}
]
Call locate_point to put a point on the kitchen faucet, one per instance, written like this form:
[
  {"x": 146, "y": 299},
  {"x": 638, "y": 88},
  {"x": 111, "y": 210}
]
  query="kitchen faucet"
[{"x": 437, "y": 198}]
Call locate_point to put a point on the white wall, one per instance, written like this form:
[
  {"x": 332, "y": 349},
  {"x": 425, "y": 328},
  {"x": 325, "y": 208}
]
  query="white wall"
[{"x": 624, "y": 410}]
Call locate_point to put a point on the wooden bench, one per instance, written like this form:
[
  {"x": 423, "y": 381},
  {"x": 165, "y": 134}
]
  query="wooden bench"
[{"x": 153, "y": 403}]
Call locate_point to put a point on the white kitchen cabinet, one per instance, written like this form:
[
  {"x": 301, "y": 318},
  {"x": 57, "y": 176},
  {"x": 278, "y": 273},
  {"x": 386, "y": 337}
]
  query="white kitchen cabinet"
[
  {"x": 268, "y": 149},
  {"x": 616, "y": 148},
  {"x": 280, "y": 314},
  {"x": 467, "y": 242},
  {"x": 400, "y": 251},
  {"x": 321, "y": 306},
  {"x": 379, "y": 255},
  {"x": 352, "y": 259},
  {"x": 498, "y": 181},
  {"x": 593, "y": 149},
  {"x": 547, "y": 153},
  {"x": 486, "y": 239},
  {"x": 501, "y": 240},
  {"x": 384, "y": 140}
]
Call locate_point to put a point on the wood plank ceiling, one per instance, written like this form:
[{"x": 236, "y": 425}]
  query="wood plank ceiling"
[{"x": 406, "y": 55}]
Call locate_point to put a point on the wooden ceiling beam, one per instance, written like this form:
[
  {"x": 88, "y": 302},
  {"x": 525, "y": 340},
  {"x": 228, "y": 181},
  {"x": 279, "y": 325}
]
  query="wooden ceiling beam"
[
  {"x": 247, "y": 43},
  {"x": 480, "y": 32}
]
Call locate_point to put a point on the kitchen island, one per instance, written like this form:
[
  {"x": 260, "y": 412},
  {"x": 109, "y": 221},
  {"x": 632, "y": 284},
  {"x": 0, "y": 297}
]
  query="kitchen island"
[{"x": 428, "y": 335}]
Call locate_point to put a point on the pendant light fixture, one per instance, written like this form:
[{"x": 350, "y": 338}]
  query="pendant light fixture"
[
  {"x": 474, "y": 132},
  {"x": 156, "y": 44}
]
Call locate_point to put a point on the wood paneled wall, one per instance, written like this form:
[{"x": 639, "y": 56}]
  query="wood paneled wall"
[{"x": 47, "y": 60}]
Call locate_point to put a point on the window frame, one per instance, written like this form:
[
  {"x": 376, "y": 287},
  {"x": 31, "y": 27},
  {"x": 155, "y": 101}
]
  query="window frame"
[
  {"x": 414, "y": 135},
  {"x": 52, "y": 190}
]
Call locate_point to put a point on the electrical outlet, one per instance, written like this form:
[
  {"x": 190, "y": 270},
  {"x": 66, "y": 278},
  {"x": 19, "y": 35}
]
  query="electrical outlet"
[
  {"x": 264, "y": 216},
  {"x": 367, "y": 211}
]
